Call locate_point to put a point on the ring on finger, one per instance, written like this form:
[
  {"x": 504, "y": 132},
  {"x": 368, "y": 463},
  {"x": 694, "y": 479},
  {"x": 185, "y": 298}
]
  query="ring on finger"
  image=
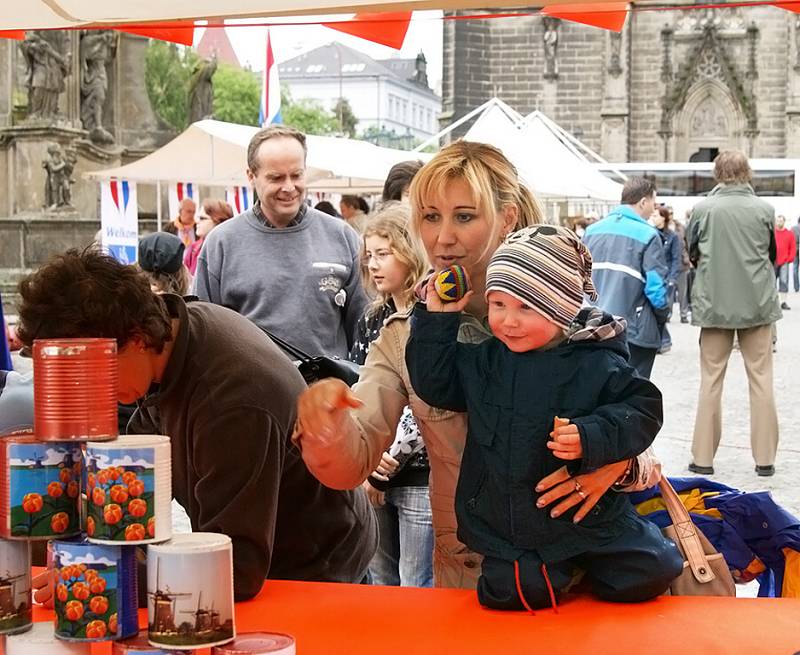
[{"x": 579, "y": 489}]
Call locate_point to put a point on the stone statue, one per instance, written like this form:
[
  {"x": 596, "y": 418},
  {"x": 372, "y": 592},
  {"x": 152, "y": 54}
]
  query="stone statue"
[
  {"x": 421, "y": 70},
  {"x": 58, "y": 181},
  {"x": 98, "y": 48},
  {"x": 201, "y": 90},
  {"x": 47, "y": 69},
  {"x": 550, "y": 39},
  {"x": 615, "y": 60}
]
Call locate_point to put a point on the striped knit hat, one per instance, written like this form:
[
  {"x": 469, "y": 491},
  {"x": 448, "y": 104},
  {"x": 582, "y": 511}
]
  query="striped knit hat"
[{"x": 546, "y": 267}]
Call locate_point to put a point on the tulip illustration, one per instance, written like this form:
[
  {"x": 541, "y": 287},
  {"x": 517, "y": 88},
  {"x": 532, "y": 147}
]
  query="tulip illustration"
[
  {"x": 98, "y": 496},
  {"x": 54, "y": 489},
  {"x": 59, "y": 522},
  {"x": 98, "y": 604},
  {"x": 151, "y": 527},
  {"x": 118, "y": 494},
  {"x": 134, "y": 532},
  {"x": 62, "y": 593},
  {"x": 112, "y": 623},
  {"x": 112, "y": 513},
  {"x": 73, "y": 610},
  {"x": 80, "y": 590},
  {"x": 97, "y": 585},
  {"x": 136, "y": 488},
  {"x": 32, "y": 503},
  {"x": 96, "y": 629},
  {"x": 137, "y": 507},
  {"x": 72, "y": 489},
  {"x": 90, "y": 526}
]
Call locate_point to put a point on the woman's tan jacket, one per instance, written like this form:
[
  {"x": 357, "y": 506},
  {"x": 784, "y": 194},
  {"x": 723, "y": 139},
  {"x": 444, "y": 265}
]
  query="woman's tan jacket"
[{"x": 385, "y": 389}]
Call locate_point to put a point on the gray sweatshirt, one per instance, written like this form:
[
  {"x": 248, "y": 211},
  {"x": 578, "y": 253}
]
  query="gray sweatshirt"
[{"x": 301, "y": 283}]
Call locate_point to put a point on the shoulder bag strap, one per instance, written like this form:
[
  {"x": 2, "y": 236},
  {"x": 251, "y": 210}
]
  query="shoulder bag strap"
[
  {"x": 686, "y": 532},
  {"x": 290, "y": 350}
]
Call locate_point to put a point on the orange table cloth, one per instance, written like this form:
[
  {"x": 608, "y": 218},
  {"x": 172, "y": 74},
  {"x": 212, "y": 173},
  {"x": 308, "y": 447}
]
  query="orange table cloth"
[{"x": 332, "y": 619}]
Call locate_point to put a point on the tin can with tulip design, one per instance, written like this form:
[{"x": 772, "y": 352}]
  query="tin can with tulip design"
[
  {"x": 95, "y": 596},
  {"x": 39, "y": 488},
  {"x": 128, "y": 490},
  {"x": 15, "y": 587}
]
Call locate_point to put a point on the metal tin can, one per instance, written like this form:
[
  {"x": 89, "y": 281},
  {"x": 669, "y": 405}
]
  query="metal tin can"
[
  {"x": 129, "y": 490},
  {"x": 39, "y": 488},
  {"x": 258, "y": 643},
  {"x": 40, "y": 640},
  {"x": 95, "y": 594},
  {"x": 190, "y": 591},
  {"x": 140, "y": 645},
  {"x": 75, "y": 386},
  {"x": 15, "y": 587}
]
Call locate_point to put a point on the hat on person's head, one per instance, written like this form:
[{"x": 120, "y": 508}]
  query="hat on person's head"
[
  {"x": 161, "y": 252},
  {"x": 546, "y": 267}
]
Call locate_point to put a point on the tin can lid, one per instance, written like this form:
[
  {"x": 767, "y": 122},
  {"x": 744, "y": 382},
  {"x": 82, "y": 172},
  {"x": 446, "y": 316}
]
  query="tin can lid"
[
  {"x": 258, "y": 642},
  {"x": 131, "y": 441},
  {"x": 193, "y": 542}
]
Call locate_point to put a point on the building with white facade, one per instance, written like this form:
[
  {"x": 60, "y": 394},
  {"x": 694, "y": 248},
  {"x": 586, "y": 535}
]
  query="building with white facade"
[{"x": 391, "y": 95}]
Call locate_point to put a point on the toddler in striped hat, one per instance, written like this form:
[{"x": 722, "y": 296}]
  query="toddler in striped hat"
[
  {"x": 535, "y": 285},
  {"x": 553, "y": 386}
]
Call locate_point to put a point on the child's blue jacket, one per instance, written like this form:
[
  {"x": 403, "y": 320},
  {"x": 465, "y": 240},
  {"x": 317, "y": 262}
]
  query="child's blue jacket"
[{"x": 511, "y": 400}]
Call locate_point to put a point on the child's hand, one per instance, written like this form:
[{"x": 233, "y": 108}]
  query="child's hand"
[
  {"x": 434, "y": 303},
  {"x": 566, "y": 440}
]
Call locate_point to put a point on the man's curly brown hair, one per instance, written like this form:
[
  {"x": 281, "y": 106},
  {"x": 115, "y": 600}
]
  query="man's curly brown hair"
[{"x": 90, "y": 294}]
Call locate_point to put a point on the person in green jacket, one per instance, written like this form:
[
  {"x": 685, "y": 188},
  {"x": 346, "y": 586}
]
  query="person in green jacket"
[{"x": 732, "y": 245}]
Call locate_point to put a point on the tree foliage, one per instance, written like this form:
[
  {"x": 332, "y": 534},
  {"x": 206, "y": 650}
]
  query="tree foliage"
[
  {"x": 237, "y": 93},
  {"x": 167, "y": 72},
  {"x": 308, "y": 116},
  {"x": 345, "y": 117}
]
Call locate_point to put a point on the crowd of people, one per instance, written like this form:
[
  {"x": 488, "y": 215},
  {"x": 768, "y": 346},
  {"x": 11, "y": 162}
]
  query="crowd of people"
[{"x": 490, "y": 442}]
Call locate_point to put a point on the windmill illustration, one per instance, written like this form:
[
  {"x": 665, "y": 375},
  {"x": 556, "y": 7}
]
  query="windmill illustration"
[
  {"x": 8, "y": 594},
  {"x": 164, "y": 601},
  {"x": 206, "y": 619}
]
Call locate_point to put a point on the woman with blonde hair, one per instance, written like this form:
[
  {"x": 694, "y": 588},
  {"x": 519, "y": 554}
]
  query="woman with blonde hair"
[
  {"x": 464, "y": 202},
  {"x": 213, "y": 212},
  {"x": 392, "y": 264}
]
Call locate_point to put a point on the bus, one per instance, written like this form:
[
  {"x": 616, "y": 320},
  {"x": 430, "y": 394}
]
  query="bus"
[{"x": 682, "y": 185}]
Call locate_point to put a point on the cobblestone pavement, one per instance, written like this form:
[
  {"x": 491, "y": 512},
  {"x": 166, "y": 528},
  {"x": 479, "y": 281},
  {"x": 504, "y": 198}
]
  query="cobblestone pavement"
[{"x": 677, "y": 374}]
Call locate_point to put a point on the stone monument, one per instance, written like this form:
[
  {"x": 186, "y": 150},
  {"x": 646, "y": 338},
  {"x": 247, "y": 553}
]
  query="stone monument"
[{"x": 201, "y": 90}]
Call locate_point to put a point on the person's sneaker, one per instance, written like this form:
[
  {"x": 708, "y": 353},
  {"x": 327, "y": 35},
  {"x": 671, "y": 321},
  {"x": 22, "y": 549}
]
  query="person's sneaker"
[
  {"x": 701, "y": 470},
  {"x": 664, "y": 349},
  {"x": 785, "y": 306},
  {"x": 765, "y": 471}
]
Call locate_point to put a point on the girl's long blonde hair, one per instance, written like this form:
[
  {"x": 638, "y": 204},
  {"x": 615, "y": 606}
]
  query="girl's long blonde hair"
[
  {"x": 391, "y": 222},
  {"x": 491, "y": 177}
]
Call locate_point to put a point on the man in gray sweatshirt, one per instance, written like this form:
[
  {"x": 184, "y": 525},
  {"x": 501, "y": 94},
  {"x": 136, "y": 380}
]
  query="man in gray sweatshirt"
[{"x": 290, "y": 269}]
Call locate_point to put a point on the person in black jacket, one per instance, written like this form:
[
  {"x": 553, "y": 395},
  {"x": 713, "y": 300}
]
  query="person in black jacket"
[{"x": 553, "y": 384}]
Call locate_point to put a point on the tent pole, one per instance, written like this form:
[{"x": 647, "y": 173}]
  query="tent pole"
[
  {"x": 435, "y": 138},
  {"x": 158, "y": 205}
]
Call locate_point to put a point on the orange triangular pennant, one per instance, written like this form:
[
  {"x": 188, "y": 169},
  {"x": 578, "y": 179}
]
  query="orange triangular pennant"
[
  {"x": 19, "y": 35},
  {"x": 607, "y": 15},
  {"x": 387, "y": 29},
  {"x": 181, "y": 32},
  {"x": 788, "y": 6}
]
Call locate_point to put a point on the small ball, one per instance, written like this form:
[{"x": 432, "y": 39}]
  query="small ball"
[{"x": 451, "y": 284}]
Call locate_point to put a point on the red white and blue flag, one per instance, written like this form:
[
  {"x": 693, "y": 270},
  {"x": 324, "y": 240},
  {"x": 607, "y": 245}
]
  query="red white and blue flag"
[
  {"x": 269, "y": 110},
  {"x": 119, "y": 220},
  {"x": 239, "y": 198},
  {"x": 177, "y": 192}
]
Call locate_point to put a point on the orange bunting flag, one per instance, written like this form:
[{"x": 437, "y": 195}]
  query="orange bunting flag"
[
  {"x": 387, "y": 29},
  {"x": 607, "y": 15},
  {"x": 180, "y": 32},
  {"x": 19, "y": 35},
  {"x": 788, "y": 6}
]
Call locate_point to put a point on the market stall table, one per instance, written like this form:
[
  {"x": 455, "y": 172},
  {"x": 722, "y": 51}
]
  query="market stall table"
[{"x": 334, "y": 619}]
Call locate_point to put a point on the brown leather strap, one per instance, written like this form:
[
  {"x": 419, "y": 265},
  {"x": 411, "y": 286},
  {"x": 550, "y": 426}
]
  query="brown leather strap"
[{"x": 686, "y": 532}]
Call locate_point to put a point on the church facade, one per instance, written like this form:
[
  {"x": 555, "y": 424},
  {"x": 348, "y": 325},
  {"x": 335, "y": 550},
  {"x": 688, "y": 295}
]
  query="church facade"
[{"x": 675, "y": 85}]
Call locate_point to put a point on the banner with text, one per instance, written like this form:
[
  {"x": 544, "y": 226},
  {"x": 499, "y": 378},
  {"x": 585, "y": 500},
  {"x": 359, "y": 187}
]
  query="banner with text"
[{"x": 119, "y": 220}]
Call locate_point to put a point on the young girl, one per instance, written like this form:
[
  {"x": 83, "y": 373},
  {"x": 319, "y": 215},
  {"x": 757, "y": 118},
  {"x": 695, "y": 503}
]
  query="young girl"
[
  {"x": 392, "y": 265},
  {"x": 592, "y": 409}
]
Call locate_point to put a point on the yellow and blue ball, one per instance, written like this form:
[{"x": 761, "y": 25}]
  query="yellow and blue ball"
[{"x": 451, "y": 284}]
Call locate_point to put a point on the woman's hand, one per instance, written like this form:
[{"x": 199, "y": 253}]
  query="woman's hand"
[
  {"x": 42, "y": 585},
  {"x": 586, "y": 488},
  {"x": 377, "y": 498},
  {"x": 322, "y": 410},
  {"x": 433, "y": 303}
]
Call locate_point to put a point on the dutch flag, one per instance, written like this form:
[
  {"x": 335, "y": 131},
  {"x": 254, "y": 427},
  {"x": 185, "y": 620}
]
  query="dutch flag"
[{"x": 269, "y": 110}]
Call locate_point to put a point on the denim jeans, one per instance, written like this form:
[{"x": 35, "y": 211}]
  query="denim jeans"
[
  {"x": 405, "y": 550},
  {"x": 782, "y": 273}
]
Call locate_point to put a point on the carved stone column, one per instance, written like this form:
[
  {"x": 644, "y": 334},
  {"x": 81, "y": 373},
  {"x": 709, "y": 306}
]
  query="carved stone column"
[
  {"x": 614, "y": 113},
  {"x": 793, "y": 90}
]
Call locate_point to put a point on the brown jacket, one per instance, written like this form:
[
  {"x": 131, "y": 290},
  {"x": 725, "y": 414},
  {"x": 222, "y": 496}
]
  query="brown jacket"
[{"x": 385, "y": 388}]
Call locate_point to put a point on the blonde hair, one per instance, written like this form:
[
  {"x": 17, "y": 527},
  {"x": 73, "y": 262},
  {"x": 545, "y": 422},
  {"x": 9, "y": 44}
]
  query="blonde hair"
[
  {"x": 178, "y": 282},
  {"x": 491, "y": 177},
  {"x": 732, "y": 167},
  {"x": 391, "y": 222}
]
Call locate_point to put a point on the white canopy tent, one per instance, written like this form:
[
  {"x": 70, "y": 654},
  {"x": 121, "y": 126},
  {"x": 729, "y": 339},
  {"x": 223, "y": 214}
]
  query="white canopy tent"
[
  {"x": 41, "y": 14},
  {"x": 552, "y": 162},
  {"x": 214, "y": 153}
]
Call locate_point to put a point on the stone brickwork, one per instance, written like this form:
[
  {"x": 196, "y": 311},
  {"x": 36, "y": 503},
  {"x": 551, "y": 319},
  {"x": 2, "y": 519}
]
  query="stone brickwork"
[{"x": 672, "y": 83}]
